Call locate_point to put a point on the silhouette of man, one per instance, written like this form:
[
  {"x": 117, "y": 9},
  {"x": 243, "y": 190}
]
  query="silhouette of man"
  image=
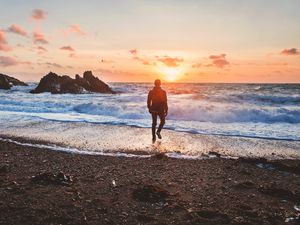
[{"x": 158, "y": 106}]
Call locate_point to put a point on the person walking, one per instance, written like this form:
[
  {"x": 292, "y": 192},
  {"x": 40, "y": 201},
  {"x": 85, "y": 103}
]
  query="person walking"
[{"x": 158, "y": 107}]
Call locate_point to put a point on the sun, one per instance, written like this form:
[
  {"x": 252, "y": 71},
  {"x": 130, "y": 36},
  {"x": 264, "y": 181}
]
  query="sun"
[{"x": 171, "y": 73}]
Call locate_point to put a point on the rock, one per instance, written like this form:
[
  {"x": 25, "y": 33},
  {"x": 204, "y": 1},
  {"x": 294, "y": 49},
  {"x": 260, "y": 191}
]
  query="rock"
[
  {"x": 280, "y": 193},
  {"x": 56, "y": 84},
  {"x": 151, "y": 194},
  {"x": 6, "y": 82},
  {"x": 4, "y": 169},
  {"x": 50, "y": 178},
  {"x": 245, "y": 185},
  {"x": 209, "y": 217}
]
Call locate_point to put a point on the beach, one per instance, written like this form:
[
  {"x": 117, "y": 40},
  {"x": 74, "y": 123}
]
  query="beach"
[
  {"x": 229, "y": 155},
  {"x": 42, "y": 186}
]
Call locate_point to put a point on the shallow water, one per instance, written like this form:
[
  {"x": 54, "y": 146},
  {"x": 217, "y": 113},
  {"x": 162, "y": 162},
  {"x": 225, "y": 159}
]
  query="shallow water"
[
  {"x": 270, "y": 111},
  {"x": 99, "y": 139}
]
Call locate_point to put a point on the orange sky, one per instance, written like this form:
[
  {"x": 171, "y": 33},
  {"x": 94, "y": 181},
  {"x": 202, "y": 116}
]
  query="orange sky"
[{"x": 138, "y": 41}]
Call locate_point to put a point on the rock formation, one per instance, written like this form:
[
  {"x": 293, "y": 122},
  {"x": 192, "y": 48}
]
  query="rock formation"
[
  {"x": 6, "y": 82},
  {"x": 64, "y": 84}
]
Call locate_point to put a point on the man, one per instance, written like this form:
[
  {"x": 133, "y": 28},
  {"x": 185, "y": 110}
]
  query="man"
[{"x": 158, "y": 106}]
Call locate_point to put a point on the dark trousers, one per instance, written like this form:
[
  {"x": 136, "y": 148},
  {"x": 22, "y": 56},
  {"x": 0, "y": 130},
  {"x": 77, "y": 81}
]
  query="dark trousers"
[{"x": 154, "y": 122}]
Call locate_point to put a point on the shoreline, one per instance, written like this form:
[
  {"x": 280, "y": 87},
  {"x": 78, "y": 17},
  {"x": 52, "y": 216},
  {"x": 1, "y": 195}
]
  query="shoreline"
[
  {"x": 41, "y": 186},
  {"x": 99, "y": 138}
]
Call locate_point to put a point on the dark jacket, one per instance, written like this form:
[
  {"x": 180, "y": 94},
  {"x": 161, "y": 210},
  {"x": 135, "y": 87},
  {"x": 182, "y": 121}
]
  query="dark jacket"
[{"x": 157, "y": 100}]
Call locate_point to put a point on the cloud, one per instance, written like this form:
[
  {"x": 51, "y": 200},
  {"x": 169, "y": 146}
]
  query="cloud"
[
  {"x": 41, "y": 49},
  {"x": 291, "y": 51},
  {"x": 9, "y": 61},
  {"x": 38, "y": 14},
  {"x": 170, "y": 61},
  {"x": 3, "y": 43},
  {"x": 77, "y": 29},
  {"x": 197, "y": 65},
  {"x": 39, "y": 38},
  {"x": 133, "y": 51},
  {"x": 219, "y": 60},
  {"x": 51, "y": 65},
  {"x": 144, "y": 61},
  {"x": 73, "y": 55},
  {"x": 74, "y": 29},
  {"x": 115, "y": 72},
  {"x": 14, "y": 28},
  {"x": 67, "y": 48}
]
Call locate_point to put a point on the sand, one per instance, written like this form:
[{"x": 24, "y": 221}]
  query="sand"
[{"x": 42, "y": 186}]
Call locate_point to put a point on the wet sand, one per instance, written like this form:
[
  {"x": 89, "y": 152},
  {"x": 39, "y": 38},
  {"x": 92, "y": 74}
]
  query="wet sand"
[
  {"x": 40, "y": 186},
  {"x": 113, "y": 138}
]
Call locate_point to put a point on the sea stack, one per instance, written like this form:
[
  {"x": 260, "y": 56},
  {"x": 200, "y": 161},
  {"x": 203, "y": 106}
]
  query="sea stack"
[
  {"x": 56, "y": 84},
  {"x": 6, "y": 82}
]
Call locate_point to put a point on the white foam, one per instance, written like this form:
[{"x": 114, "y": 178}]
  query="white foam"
[
  {"x": 92, "y": 138},
  {"x": 74, "y": 150}
]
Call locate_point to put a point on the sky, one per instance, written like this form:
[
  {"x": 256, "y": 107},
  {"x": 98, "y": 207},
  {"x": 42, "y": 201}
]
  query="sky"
[{"x": 231, "y": 41}]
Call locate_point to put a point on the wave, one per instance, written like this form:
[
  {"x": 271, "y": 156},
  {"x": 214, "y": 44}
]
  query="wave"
[
  {"x": 194, "y": 112},
  {"x": 190, "y": 107}
]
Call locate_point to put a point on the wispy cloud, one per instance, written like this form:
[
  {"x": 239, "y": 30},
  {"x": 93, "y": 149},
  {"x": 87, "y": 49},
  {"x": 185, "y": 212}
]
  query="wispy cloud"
[
  {"x": 38, "y": 14},
  {"x": 290, "y": 51},
  {"x": 41, "y": 49},
  {"x": 67, "y": 48},
  {"x": 77, "y": 29},
  {"x": 143, "y": 61},
  {"x": 17, "y": 29},
  {"x": 6, "y": 61},
  {"x": 133, "y": 51},
  {"x": 39, "y": 38},
  {"x": 3, "y": 43},
  {"x": 52, "y": 65},
  {"x": 74, "y": 29},
  {"x": 170, "y": 61},
  {"x": 219, "y": 60}
]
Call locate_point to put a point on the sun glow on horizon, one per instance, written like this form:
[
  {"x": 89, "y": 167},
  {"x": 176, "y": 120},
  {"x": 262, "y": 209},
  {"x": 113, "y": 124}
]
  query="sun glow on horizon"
[{"x": 171, "y": 73}]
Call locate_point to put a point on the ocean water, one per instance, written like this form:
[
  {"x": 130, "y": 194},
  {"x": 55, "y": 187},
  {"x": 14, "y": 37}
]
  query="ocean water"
[{"x": 267, "y": 111}]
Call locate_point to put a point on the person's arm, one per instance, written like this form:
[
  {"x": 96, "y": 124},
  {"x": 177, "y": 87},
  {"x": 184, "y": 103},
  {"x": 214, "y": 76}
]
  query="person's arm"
[
  {"x": 166, "y": 104},
  {"x": 149, "y": 100}
]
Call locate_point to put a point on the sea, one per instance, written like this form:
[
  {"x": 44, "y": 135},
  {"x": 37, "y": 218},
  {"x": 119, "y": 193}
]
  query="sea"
[{"x": 260, "y": 111}]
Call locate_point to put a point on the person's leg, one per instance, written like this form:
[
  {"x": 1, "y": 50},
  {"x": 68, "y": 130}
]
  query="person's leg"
[
  {"x": 161, "y": 125},
  {"x": 154, "y": 122}
]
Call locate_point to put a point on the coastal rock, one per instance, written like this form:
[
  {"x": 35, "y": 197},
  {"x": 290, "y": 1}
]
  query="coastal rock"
[
  {"x": 56, "y": 84},
  {"x": 91, "y": 83},
  {"x": 6, "y": 82}
]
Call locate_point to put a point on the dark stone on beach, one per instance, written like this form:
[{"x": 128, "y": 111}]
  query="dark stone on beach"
[
  {"x": 4, "y": 169},
  {"x": 209, "y": 217},
  {"x": 245, "y": 185},
  {"x": 159, "y": 155},
  {"x": 6, "y": 82},
  {"x": 56, "y": 84},
  {"x": 151, "y": 194},
  {"x": 50, "y": 178},
  {"x": 288, "y": 166},
  {"x": 280, "y": 193}
]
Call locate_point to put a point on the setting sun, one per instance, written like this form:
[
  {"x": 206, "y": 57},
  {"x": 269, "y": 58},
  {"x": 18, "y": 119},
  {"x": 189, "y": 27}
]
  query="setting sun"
[{"x": 171, "y": 73}]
